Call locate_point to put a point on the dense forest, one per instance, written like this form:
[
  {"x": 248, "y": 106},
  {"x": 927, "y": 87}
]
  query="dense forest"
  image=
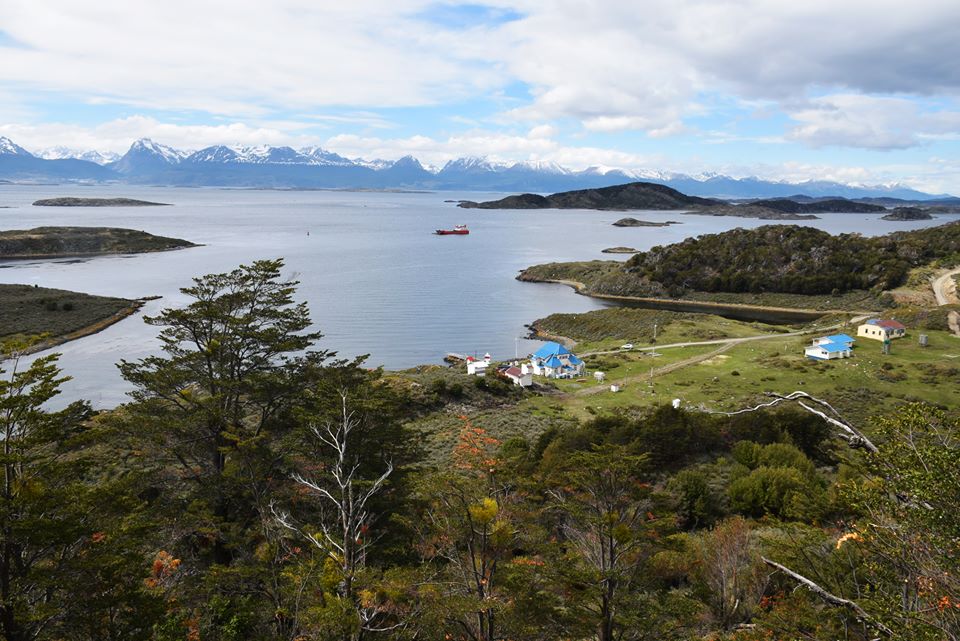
[
  {"x": 258, "y": 487},
  {"x": 793, "y": 259}
]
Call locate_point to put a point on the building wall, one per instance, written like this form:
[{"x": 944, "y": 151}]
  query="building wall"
[{"x": 879, "y": 333}]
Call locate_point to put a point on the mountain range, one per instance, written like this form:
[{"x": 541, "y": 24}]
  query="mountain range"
[{"x": 150, "y": 163}]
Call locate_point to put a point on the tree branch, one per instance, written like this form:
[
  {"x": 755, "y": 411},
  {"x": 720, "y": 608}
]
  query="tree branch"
[{"x": 830, "y": 598}]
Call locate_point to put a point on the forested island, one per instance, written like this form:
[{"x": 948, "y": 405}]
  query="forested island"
[
  {"x": 258, "y": 487},
  {"x": 55, "y": 242}
]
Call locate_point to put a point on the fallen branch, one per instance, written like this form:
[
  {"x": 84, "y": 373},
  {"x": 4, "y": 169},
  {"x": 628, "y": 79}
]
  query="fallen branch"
[
  {"x": 826, "y": 411},
  {"x": 831, "y": 599}
]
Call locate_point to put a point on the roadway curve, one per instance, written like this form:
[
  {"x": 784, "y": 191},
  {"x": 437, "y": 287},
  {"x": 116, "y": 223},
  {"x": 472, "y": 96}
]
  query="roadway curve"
[{"x": 945, "y": 288}]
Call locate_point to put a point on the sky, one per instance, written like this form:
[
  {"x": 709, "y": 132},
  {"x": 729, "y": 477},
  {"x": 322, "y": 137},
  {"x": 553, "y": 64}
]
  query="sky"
[{"x": 859, "y": 91}]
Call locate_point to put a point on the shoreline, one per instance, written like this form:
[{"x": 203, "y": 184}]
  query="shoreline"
[
  {"x": 14, "y": 257},
  {"x": 745, "y": 310},
  {"x": 93, "y": 328}
]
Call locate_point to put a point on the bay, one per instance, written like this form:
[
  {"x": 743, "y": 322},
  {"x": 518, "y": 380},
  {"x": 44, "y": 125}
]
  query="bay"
[{"x": 376, "y": 279}]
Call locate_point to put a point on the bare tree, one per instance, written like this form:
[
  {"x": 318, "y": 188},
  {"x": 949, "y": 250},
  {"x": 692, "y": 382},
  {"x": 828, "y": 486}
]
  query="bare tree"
[{"x": 345, "y": 520}]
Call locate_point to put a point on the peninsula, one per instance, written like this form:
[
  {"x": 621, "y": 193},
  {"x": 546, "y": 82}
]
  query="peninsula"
[
  {"x": 783, "y": 265},
  {"x": 61, "y": 242},
  {"x": 70, "y": 201},
  {"x": 57, "y": 314}
]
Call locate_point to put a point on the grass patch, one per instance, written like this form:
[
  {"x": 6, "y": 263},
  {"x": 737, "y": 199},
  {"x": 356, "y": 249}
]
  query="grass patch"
[
  {"x": 28, "y": 310},
  {"x": 870, "y": 383},
  {"x": 609, "y": 328}
]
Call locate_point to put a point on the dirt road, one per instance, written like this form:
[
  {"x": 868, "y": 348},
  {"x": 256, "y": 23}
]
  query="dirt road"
[{"x": 945, "y": 288}]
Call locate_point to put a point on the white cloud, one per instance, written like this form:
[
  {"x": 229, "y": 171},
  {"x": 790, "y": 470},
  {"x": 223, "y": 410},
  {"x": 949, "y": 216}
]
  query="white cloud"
[
  {"x": 612, "y": 65},
  {"x": 869, "y": 122},
  {"x": 619, "y": 65},
  {"x": 117, "y": 135},
  {"x": 239, "y": 58}
]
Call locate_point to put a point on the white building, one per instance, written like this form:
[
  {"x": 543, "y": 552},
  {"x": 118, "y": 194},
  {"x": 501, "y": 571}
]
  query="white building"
[
  {"x": 882, "y": 330},
  {"x": 828, "y": 351},
  {"x": 519, "y": 375},
  {"x": 553, "y": 360},
  {"x": 478, "y": 367}
]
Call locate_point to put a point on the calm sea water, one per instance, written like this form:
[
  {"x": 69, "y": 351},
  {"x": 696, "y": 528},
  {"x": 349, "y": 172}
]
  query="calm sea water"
[{"x": 375, "y": 277}]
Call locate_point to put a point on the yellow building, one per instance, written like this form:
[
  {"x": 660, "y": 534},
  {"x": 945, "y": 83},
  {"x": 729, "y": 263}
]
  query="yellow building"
[{"x": 881, "y": 330}]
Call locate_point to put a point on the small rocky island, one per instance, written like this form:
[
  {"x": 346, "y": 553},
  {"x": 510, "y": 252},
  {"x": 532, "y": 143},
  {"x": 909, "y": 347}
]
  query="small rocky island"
[
  {"x": 908, "y": 213},
  {"x": 633, "y": 222},
  {"x": 70, "y": 201},
  {"x": 62, "y": 242},
  {"x": 620, "y": 250}
]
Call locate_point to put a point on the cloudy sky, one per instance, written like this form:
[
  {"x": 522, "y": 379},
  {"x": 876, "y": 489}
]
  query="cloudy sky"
[{"x": 851, "y": 90}]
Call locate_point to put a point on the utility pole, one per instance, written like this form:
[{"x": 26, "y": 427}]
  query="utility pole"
[{"x": 654, "y": 332}]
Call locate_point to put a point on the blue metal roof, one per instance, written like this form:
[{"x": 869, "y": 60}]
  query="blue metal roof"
[
  {"x": 550, "y": 349},
  {"x": 574, "y": 360},
  {"x": 834, "y": 347},
  {"x": 840, "y": 338},
  {"x": 554, "y": 362}
]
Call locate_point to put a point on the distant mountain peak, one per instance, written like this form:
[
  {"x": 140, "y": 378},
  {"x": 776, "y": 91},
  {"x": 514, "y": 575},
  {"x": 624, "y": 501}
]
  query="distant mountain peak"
[
  {"x": 473, "y": 164},
  {"x": 168, "y": 154},
  {"x": 10, "y": 148},
  {"x": 544, "y": 166},
  {"x": 66, "y": 153},
  {"x": 149, "y": 162}
]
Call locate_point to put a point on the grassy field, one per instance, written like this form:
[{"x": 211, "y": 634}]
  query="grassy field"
[
  {"x": 609, "y": 328},
  {"x": 25, "y": 310},
  {"x": 866, "y": 384}
]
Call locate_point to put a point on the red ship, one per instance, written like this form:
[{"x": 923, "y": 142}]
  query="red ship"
[{"x": 459, "y": 230}]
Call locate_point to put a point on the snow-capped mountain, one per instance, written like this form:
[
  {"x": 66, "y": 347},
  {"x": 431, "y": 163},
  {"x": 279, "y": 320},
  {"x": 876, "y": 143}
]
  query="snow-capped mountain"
[
  {"x": 151, "y": 163},
  {"x": 18, "y": 164},
  {"x": 320, "y": 156},
  {"x": 10, "y": 148},
  {"x": 472, "y": 165},
  {"x": 93, "y": 155},
  {"x": 146, "y": 155},
  {"x": 542, "y": 166}
]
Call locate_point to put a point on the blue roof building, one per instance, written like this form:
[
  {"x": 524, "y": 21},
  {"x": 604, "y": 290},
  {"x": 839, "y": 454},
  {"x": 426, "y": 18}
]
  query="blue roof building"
[
  {"x": 553, "y": 360},
  {"x": 550, "y": 349},
  {"x": 824, "y": 349},
  {"x": 836, "y": 338}
]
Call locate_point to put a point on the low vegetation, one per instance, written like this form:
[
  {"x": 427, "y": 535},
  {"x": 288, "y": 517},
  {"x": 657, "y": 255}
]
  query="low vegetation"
[
  {"x": 257, "y": 487},
  {"x": 28, "y": 310},
  {"x": 792, "y": 259},
  {"x": 776, "y": 259},
  {"x": 626, "y": 324},
  {"x": 51, "y": 242},
  {"x": 70, "y": 201}
]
